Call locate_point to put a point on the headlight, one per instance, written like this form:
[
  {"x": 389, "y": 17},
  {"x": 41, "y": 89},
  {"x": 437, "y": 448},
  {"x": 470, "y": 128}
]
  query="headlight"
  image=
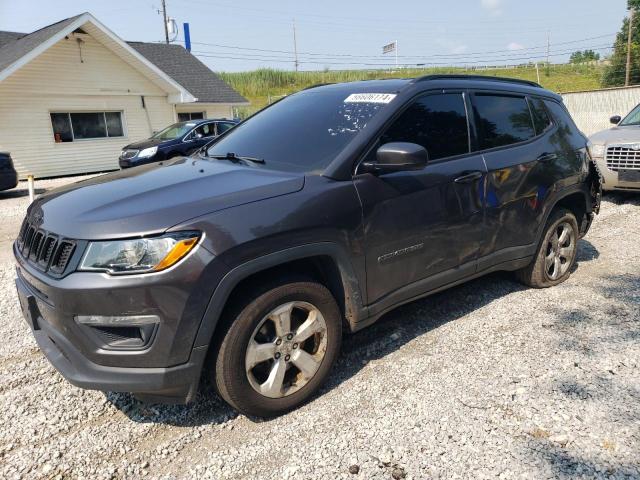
[
  {"x": 148, "y": 152},
  {"x": 597, "y": 150},
  {"x": 139, "y": 255}
]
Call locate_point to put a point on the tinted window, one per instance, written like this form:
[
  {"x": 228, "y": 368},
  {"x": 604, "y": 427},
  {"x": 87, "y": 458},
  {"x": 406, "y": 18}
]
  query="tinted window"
[
  {"x": 501, "y": 120},
  {"x": 61, "y": 127},
  {"x": 562, "y": 118},
  {"x": 174, "y": 131},
  {"x": 114, "y": 124},
  {"x": 223, "y": 127},
  {"x": 437, "y": 122},
  {"x": 68, "y": 127},
  {"x": 186, "y": 116},
  {"x": 302, "y": 132},
  {"x": 541, "y": 120},
  {"x": 206, "y": 130}
]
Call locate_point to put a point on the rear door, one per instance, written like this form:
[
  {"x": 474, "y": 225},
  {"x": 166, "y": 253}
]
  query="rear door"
[
  {"x": 514, "y": 134},
  {"x": 423, "y": 228}
]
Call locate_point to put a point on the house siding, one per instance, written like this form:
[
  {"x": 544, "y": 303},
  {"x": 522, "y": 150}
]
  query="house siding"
[{"x": 58, "y": 80}]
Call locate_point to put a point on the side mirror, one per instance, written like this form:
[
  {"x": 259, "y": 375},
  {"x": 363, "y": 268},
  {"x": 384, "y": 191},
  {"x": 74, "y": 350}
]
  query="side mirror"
[
  {"x": 398, "y": 157},
  {"x": 615, "y": 119}
]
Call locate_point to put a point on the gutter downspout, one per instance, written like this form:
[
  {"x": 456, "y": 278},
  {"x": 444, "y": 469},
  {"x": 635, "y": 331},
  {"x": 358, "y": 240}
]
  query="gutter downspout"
[{"x": 146, "y": 112}]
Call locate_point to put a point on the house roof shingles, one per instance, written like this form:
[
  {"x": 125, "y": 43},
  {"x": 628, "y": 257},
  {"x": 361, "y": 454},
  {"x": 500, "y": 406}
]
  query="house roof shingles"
[
  {"x": 189, "y": 72},
  {"x": 15, "y": 49},
  {"x": 174, "y": 60}
]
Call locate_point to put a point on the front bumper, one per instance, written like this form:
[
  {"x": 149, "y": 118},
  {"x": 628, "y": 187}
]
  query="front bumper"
[
  {"x": 136, "y": 162},
  {"x": 611, "y": 179},
  {"x": 167, "y": 370}
]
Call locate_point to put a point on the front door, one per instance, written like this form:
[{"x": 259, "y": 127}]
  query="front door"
[{"x": 423, "y": 228}]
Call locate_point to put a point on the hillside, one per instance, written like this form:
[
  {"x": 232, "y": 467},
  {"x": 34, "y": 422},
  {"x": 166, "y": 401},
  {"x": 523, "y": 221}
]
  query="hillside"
[{"x": 265, "y": 85}]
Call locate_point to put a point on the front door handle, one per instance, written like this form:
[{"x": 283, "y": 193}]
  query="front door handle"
[
  {"x": 547, "y": 157},
  {"x": 469, "y": 177}
]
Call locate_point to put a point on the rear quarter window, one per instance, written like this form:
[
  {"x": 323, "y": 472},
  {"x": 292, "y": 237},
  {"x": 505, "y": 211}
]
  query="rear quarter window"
[
  {"x": 541, "y": 120},
  {"x": 501, "y": 120}
]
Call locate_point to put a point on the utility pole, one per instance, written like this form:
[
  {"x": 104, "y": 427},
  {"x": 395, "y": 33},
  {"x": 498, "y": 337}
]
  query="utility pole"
[
  {"x": 295, "y": 45},
  {"x": 548, "y": 49},
  {"x": 164, "y": 16},
  {"x": 627, "y": 74}
]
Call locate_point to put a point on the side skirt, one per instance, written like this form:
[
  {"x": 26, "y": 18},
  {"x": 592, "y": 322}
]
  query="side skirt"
[{"x": 394, "y": 300}]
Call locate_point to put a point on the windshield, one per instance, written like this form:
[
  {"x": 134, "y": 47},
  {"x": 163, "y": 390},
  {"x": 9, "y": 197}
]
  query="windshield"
[
  {"x": 174, "y": 131},
  {"x": 633, "y": 118},
  {"x": 303, "y": 132}
]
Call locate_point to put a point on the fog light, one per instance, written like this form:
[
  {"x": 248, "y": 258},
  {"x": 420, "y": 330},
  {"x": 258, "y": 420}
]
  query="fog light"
[
  {"x": 117, "y": 320},
  {"x": 120, "y": 332}
]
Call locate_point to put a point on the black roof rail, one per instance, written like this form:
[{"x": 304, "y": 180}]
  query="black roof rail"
[
  {"x": 478, "y": 77},
  {"x": 316, "y": 85}
]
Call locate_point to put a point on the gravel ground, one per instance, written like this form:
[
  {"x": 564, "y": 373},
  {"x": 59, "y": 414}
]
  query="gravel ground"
[{"x": 486, "y": 380}]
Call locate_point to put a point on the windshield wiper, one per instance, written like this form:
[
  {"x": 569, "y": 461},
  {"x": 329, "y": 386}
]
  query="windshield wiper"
[{"x": 234, "y": 158}]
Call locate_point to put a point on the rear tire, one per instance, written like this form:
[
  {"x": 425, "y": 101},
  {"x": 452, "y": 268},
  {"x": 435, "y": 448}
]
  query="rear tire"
[
  {"x": 556, "y": 254},
  {"x": 278, "y": 348}
]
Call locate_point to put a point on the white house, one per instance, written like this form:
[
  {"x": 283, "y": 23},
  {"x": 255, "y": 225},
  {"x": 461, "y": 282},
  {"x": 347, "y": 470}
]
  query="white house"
[{"x": 72, "y": 94}]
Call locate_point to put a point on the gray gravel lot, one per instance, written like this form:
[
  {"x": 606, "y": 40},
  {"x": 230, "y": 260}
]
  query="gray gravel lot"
[{"x": 487, "y": 380}]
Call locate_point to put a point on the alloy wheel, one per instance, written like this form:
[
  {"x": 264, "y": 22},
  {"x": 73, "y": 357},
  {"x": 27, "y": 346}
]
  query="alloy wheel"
[
  {"x": 561, "y": 248},
  {"x": 286, "y": 349}
]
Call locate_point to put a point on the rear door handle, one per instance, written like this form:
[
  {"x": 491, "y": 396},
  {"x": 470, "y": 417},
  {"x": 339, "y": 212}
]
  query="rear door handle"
[
  {"x": 469, "y": 177},
  {"x": 547, "y": 157}
]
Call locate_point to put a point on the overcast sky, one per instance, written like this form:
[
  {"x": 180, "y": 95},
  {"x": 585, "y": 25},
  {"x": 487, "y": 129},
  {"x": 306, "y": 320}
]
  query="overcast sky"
[{"x": 239, "y": 35}]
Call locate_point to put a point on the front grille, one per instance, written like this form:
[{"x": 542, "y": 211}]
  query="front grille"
[
  {"x": 44, "y": 250},
  {"x": 621, "y": 157},
  {"x": 128, "y": 154}
]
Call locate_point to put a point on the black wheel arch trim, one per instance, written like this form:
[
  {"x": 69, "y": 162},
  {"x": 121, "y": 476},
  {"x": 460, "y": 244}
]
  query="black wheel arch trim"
[
  {"x": 557, "y": 197},
  {"x": 353, "y": 303}
]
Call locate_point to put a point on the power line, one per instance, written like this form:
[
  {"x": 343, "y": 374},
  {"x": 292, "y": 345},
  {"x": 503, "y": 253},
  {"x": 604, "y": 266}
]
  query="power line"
[
  {"x": 450, "y": 55},
  {"x": 271, "y": 58}
]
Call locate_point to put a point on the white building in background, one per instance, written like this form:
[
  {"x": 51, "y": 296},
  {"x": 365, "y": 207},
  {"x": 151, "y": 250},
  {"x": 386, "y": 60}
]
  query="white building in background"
[{"x": 72, "y": 94}]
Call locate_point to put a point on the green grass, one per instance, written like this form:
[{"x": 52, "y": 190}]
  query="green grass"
[{"x": 263, "y": 86}]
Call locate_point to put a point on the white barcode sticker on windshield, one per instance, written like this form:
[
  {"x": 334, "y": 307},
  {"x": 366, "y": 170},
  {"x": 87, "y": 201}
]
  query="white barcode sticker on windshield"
[{"x": 370, "y": 98}]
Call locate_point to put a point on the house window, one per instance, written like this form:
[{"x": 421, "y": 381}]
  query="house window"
[
  {"x": 68, "y": 127},
  {"x": 186, "y": 116}
]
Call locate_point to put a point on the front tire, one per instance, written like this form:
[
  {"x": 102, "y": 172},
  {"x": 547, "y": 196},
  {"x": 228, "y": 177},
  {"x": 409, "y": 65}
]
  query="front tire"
[
  {"x": 556, "y": 254},
  {"x": 279, "y": 348}
]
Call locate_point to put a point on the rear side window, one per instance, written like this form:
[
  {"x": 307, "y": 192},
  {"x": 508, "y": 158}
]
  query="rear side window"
[
  {"x": 561, "y": 117},
  {"x": 437, "y": 122},
  {"x": 501, "y": 120},
  {"x": 541, "y": 120}
]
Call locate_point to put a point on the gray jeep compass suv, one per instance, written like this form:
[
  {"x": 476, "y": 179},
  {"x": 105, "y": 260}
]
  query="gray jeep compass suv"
[{"x": 248, "y": 260}]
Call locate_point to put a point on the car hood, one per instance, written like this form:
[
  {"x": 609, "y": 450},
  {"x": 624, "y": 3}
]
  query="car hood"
[
  {"x": 152, "y": 198},
  {"x": 630, "y": 134},
  {"x": 149, "y": 142}
]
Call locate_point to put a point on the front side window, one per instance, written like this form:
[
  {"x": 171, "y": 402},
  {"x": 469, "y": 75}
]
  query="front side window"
[
  {"x": 174, "y": 131},
  {"x": 68, "y": 127},
  {"x": 501, "y": 120},
  {"x": 437, "y": 122},
  {"x": 303, "y": 132},
  {"x": 206, "y": 130}
]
